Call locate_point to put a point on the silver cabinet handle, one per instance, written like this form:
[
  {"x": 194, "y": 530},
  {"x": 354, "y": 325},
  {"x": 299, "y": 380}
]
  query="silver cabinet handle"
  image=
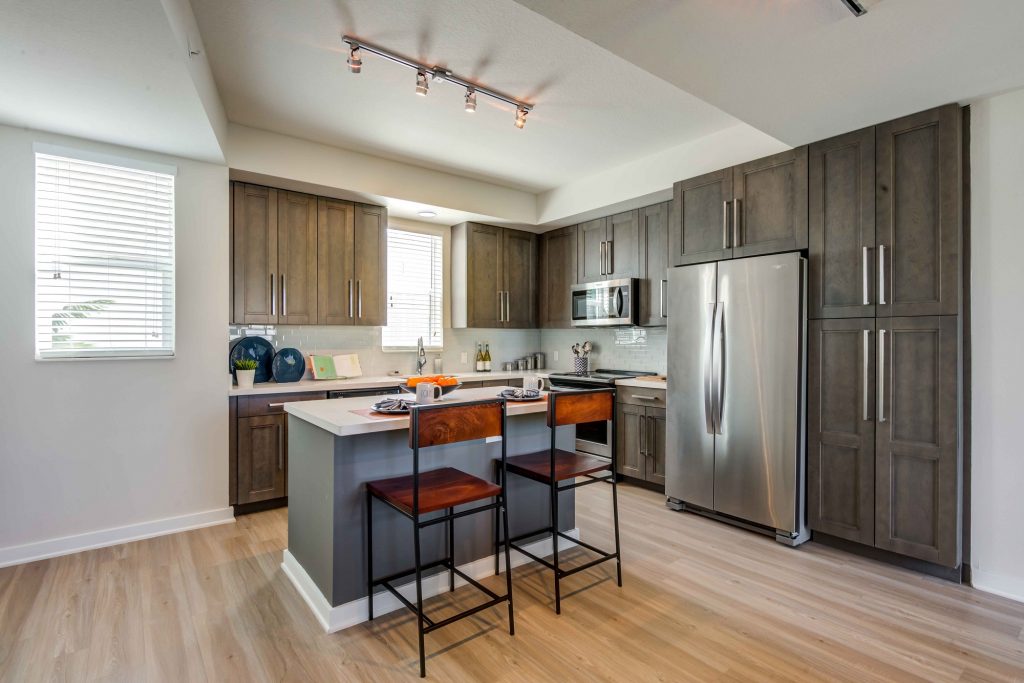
[
  {"x": 604, "y": 258},
  {"x": 709, "y": 348},
  {"x": 501, "y": 308},
  {"x": 273, "y": 296},
  {"x": 275, "y": 405},
  {"x": 642, "y": 437},
  {"x": 359, "y": 298},
  {"x": 508, "y": 307},
  {"x": 640, "y": 397},
  {"x": 284, "y": 297},
  {"x": 350, "y": 298},
  {"x": 725, "y": 224},
  {"x": 881, "y": 375},
  {"x": 651, "y": 435},
  {"x": 864, "y": 279},
  {"x": 864, "y": 378},
  {"x": 736, "y": 222},
  {"x": 280, "y": 449},
  {"x": 610, "y": 251},
  {"x": 719, "y": 365},
  {"x": 664, "y": 286},
  {"x": 881, "y": 274}
]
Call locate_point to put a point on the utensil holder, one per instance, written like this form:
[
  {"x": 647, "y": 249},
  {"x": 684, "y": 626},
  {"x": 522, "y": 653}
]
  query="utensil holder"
[{"x": 580, "y": 365}]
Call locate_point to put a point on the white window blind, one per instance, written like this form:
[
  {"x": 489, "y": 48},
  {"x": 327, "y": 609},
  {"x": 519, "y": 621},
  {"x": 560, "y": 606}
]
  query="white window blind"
[
  {"x": 104, "y": 260},
  {"x": 414, "y": 290}
]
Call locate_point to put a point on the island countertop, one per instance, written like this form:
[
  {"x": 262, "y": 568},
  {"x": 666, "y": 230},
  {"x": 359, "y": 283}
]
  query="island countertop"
[
  {"x": 368, "y": 382},
  {"x": 337, "y": 415}
]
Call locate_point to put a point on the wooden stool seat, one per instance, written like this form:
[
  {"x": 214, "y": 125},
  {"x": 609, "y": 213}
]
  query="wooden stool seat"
[
  {"x": 568, "y": 465},
  {"x": 439, "y": 489}
]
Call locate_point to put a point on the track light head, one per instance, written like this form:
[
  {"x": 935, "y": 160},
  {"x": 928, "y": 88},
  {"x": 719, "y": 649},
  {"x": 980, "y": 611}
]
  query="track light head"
[
  {"x": 422, "y": 83},
  {"x": 355, "y": 60},
  {"x": 521, "y": 113},
  {"x": 470, "y": 100}
]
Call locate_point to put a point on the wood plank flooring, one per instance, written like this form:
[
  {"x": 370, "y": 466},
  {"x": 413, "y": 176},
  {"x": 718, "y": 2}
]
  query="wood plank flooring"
[{"x": 700, "y": 602}]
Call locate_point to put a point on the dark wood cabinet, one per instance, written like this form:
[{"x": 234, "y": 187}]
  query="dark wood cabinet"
[
  {"x": 296, "y": 258},
  {"x": 654, "y": 264},
  {"x": 841, "y": 216},
  {"x": 254, "y": 254},
  {"x": 655, "y": 445},
  {"x": 557, "y": 275},
  {"x": 770, "y": 204},
  {"x": 609, "y": 248},
  {"x": 591, "y": 241},
  {"x": 918, "y": 213},
  {"x": 630, "y": 437},
  {"x": 841, "y": 428},
  {"x": 261, "y": 458},
  {"x": 700, "y": 219},
  {"x": 485, "y": 281},
  {"x": 370, "y": 265},
  {"x": 335, "y": 227},
  {"x": 917, "y": 464},
  {"x": 640, "y": 434},
  {"x": 494, "y": 275},
  {"x": 519, "y": 268}
]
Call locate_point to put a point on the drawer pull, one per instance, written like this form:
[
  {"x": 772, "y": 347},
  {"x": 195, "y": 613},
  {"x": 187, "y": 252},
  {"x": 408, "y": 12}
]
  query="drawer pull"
[
  {"x": 275, "y": 405},
  {"x": 643, "y": 398}
]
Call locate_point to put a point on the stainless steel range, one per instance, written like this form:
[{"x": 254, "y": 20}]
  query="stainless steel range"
[{"x": 593, "y": 437}]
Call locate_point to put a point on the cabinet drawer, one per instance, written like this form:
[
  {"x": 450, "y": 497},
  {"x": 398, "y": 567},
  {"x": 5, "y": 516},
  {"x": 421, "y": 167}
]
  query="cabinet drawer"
[
  {"x": 271, "y": 404},
  {"x": 639, "y": 396}
]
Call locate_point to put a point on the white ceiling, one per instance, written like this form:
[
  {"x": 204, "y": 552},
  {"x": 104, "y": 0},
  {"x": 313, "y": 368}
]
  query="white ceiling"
[
  {"x": 106, "y": 70},
  {"x": 281, "y": 67},
  {"x": 804, "y": 70}
]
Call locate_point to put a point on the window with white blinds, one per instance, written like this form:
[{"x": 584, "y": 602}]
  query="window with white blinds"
[
  {"x": 414, "y": 290},
  {"x": 104, "y": 259}
]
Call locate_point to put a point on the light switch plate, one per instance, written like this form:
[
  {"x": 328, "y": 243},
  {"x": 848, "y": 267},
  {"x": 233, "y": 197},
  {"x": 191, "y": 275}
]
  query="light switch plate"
[
  {"x": 556, "y": 356},
  {"x": 464, "y": 357}
]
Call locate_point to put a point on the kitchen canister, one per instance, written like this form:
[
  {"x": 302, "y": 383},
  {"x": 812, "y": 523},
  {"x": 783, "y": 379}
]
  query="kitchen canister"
[
  {"x": 580, "y": 365},
  {"x": 539, "y": 362}
]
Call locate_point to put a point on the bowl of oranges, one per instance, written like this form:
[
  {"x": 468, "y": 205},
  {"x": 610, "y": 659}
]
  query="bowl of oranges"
[{"x": 447, "y": 383}]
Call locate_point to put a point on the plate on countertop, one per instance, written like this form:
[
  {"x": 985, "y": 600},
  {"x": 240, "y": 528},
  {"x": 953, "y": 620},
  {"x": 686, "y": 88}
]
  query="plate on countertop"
[
  {"x": 258, "y": 349},
  {"x": 521, "y": 395},
  {"x": 394, "y": 406},
  {"x": 289, "y": 365}
]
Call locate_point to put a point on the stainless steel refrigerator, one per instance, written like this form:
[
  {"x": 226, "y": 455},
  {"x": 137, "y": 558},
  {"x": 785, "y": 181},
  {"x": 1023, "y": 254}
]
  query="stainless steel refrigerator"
[{"x": 737, "y": 334}]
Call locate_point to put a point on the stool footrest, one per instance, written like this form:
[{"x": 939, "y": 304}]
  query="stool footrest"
[{"x": 462, "y": 615}]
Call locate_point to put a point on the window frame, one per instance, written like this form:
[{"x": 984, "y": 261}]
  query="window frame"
[
  {"x": 103, "y": 354},
  {"x": 445, "y": 235}
]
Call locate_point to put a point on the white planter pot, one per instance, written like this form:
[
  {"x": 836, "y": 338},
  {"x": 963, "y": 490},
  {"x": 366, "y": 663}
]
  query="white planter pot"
[{"x": 245, "y": 378}]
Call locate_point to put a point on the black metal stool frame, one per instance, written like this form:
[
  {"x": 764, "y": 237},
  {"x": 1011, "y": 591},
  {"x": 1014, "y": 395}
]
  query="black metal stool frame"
[
  {"x": 611, "y": 478},
  {"x": 424, "y": 623}
]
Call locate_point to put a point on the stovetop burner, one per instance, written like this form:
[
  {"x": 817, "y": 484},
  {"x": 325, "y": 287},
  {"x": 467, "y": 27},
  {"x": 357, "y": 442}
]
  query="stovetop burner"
[{"x": 599, "y": 376}]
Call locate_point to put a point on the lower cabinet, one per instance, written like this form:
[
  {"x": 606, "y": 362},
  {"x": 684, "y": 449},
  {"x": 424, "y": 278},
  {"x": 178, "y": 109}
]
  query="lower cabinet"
[
  {"x": 262, "y": 458},
  {"x": 640, "y": 436}
]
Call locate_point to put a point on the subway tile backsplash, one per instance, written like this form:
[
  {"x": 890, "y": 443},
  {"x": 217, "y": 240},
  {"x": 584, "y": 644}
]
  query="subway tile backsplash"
[{"x": 624, "y": 348}]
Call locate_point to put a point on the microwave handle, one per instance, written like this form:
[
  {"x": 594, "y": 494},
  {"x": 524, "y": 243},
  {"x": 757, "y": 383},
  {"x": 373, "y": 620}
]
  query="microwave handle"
[{"x": 619, "y": 302}]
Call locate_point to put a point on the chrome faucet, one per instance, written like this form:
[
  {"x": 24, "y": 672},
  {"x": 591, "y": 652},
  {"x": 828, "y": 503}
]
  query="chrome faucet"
[{"x": 421, "y": 357}]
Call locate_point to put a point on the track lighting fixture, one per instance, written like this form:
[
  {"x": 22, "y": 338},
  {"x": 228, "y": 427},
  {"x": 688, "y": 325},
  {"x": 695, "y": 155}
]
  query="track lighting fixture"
[
  {"x": 355, "y": 60},
  {"x": 437, "y": 73},
  {"x": 521, "y": 113}
]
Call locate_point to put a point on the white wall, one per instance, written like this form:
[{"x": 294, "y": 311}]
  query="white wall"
[
  {"x": 86, "y": 446},
  {"x": 997, "y": 328}
]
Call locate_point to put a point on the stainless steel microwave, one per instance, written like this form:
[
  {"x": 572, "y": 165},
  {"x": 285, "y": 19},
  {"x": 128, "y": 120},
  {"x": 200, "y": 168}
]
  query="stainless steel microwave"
[{"x": 606, "y": 304}]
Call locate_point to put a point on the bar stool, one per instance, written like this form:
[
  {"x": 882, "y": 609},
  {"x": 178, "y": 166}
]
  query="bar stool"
[
  {"x": 553, "y": 466},
  {"x": 441, "y": 489}
]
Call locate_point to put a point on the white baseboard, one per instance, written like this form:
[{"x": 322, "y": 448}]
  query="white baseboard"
[
  {"x": 334, "y": 619},
  {"x": 1011, "y": 587},
  {"x": 66, "y": 545}
]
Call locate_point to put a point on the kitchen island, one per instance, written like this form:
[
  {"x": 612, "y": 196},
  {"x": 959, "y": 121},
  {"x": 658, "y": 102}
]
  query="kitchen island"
[{"x": 335, "y": 446}]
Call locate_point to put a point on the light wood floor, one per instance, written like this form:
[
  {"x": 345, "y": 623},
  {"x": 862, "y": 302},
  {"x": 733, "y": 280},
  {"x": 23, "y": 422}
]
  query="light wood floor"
[{"x": 701, "y": 601}]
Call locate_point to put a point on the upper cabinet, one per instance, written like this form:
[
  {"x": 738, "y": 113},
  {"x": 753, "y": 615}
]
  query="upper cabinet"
[
  {"x": 654, "y": 264},
  {"x": 557, "y": 275},
  {"x": 759, "y": 207},
  {"x": 303, "y": 260},
  {"x": 918, "y": 213},
  {"x": 494, "y": 275},
  {"x": 609, "y": 248}
]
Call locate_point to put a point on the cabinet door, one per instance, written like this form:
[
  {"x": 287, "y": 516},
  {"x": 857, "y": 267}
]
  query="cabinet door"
[
  {"x": 841, "y": 429},
  {"x": 519, "y": 253},
  {"x": 699, "y": 231},
  {"x": 254, "y": 257},
  {"x": 261, "y": 458},
  {"x": 557, "y": 275},
  {"x": 629, "y": 438},
  {"x": 335, "y": 286},
  {"x": 917, "y": 465},
  {"x": 655, "y": 445},
  {"x": 841, "y": 198},
  {"x": 296, "y": 255},
  {"x": 622, "y": 257},
  {"x": 370, "y": 265},
  {"x": 770, "y": 207},
  {"x": 918, "y": 213},
  {"x": 485, "y": 276},
  {"x": 591, "y": 239},
  {"x": 654, "y": 264}
]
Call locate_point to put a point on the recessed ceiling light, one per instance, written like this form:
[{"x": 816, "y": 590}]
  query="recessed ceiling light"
[{"x": 427, "y": 214}]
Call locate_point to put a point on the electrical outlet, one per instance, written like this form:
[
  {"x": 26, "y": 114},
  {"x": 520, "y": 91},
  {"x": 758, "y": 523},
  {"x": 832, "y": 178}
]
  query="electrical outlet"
[
  {"x": 464, "y": 357},
  {"x": 556, "y": 356}
]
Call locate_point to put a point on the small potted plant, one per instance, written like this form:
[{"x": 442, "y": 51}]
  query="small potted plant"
[{"x": 245, "y": 372}]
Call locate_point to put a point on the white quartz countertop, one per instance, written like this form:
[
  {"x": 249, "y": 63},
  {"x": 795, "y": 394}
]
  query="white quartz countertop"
[
  {"x": 336, "y": 416},
  {"x": 642, "y": 383},
  {"x": 365, "y": 382}
]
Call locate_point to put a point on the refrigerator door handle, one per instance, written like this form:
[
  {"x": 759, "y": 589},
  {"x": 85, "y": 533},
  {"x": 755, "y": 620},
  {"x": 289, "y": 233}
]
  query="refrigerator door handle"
[
  {"x": 709, "y": 409},
  {"x": 719, "y": 361}
]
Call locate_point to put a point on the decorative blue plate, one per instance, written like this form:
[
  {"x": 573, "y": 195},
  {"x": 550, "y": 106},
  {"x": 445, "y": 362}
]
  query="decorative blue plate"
[
  {"x": 253, "y": 347},
  {"x": 289, "y": 366}
]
